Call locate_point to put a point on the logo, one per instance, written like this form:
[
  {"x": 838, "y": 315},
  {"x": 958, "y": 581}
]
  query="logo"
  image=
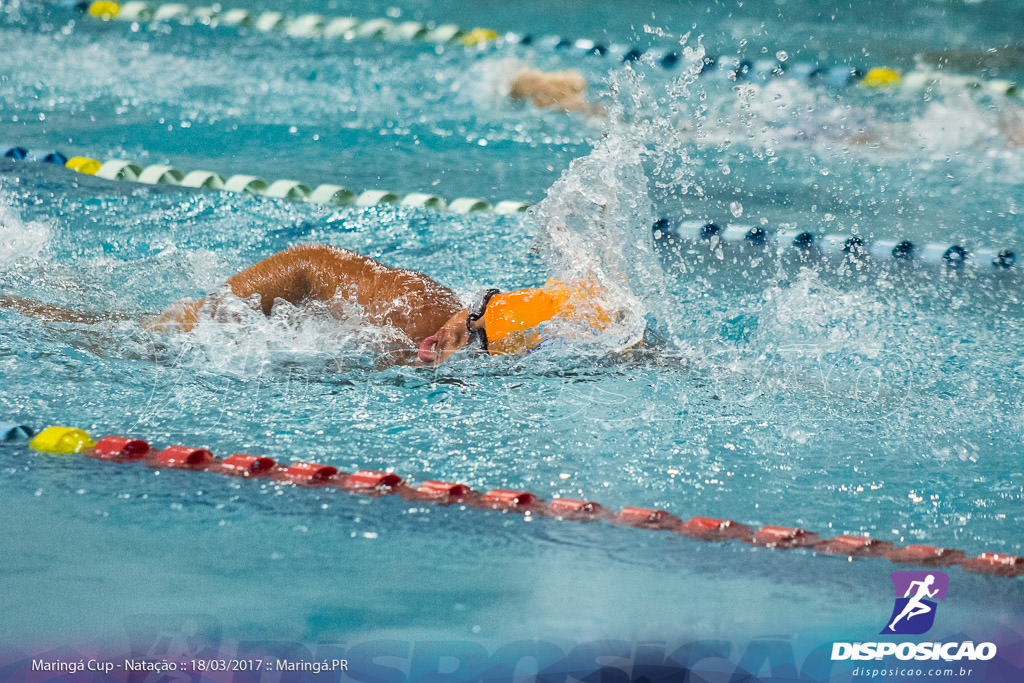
[
  {"x": 914, "y": 614},
  {"x": 914, "y": 611}
]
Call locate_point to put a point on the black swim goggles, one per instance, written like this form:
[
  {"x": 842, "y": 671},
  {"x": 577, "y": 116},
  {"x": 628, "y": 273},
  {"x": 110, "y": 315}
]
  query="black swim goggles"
[{"x": 478, "y": 335}]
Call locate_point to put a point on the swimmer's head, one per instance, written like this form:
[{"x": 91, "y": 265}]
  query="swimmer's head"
[
  {"x": 504, "y": 323},
  {"x": 453, "y": 336},
  {"x": 464, "y": 329}
]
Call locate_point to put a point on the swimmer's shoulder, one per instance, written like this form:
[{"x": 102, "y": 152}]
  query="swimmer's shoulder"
[
  {"x": 315, "y": 250},
  {"x": 326, "y": 256}
]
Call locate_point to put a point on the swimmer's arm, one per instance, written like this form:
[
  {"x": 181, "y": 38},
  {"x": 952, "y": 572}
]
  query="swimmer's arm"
[
  {"x": 302, "y": 273},
  {"x": 181, "y": 316},
  {"x": 279, "y": 276},
  {"x": 294, "y": 275},
  {"x": 51, "y": 313}
]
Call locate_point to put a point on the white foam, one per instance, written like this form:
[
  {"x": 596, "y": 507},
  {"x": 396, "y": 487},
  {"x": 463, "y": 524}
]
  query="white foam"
[
  {"x": 237, "y": 339},
  {"x": 487, "y": 83},
  {"x": 19, "y": 239}
]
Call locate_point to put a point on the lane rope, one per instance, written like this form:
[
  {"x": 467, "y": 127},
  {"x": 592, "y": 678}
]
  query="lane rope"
[
  {"x": 730, "y": 67},
  {"x": 982, "y": 259},
  {"x": 665, "y": 230},
  {"x": 119, "y": 449},
  {"x": 290, "y": 190}
]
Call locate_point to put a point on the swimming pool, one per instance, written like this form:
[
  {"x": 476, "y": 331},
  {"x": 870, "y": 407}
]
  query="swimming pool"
[{"x": 788, "y": 388}]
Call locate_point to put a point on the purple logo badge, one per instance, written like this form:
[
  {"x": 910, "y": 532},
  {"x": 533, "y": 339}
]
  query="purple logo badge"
[{"x": 916, "y": 592}]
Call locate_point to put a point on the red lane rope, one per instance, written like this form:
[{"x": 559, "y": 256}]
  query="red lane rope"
[{"x": 121, "y": 449}]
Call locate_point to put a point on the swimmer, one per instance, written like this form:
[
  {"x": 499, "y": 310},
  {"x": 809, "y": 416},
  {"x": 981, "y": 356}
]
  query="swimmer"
[
  {"x": 429, "y": 314},
  {"x": 560, "y": 90}
]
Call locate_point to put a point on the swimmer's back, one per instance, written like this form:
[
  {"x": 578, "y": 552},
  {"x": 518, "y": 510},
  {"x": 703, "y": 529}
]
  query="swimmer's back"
[{"x": 405, "y": 299}]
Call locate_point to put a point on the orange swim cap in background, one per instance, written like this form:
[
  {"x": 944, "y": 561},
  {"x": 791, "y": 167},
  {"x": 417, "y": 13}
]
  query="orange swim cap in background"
[{"x": 511, "y": 319}]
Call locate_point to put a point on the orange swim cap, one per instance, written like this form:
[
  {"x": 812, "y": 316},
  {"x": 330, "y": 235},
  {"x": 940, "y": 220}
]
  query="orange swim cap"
[{"x": 511, "y": 319}]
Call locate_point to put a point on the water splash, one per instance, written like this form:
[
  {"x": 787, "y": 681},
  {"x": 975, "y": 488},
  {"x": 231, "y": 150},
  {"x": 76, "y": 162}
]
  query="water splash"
[
  {"x": 19, "y": 239},
  {"x": 787, "y": 341},
  {"x": 595, "y": 222},
  {"x": 487, "y": 82},
  {"x": 237, "y": 339}
]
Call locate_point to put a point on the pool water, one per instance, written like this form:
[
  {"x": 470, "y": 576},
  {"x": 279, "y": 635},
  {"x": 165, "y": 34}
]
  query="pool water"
[{"x": 840, "y": 397}]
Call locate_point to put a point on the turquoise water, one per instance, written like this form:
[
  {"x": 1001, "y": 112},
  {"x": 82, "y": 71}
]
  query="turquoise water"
[{"x": 873, "y": 400}]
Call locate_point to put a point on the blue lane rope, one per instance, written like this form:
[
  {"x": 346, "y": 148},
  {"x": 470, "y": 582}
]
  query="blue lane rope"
[
  {"x": 47, "y": 156},
  {"x": 667, "y": 231},
  {"x": 349, "y": 28}
]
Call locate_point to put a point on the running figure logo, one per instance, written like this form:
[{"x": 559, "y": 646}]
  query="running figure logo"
[{"x": 914, "y": 613}]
